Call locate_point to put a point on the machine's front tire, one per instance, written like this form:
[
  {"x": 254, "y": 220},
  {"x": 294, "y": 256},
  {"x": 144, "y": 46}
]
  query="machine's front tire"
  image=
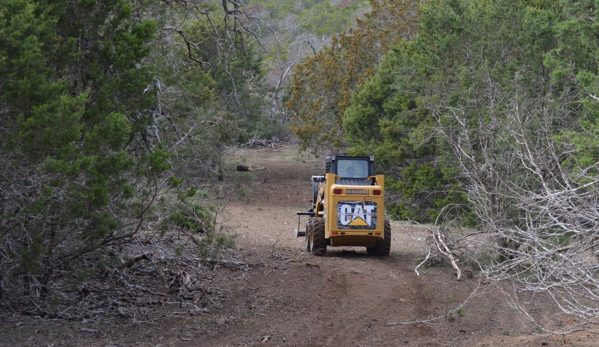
[
  {"x": 383, "y": 247},
  {"x": 318, "y": 244}
]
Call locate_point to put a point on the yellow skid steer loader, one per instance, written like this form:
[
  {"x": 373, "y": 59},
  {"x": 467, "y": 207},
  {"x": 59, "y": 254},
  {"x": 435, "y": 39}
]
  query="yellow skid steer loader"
[{"x": 348, "y": 208}]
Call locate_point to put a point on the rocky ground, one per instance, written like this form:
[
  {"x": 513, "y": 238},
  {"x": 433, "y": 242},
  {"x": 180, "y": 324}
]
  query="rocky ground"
[{"x": 269, "y": 292}]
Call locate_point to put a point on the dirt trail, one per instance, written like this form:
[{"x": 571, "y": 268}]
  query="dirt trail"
[
  {"x": 347, "y": 298},
  {"x": 273, "y": 293}
]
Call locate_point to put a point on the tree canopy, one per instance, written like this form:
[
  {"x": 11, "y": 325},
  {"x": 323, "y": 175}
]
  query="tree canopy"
[
  {"x": 114, "y": 112},
  {"x": 74, "y": 121},
  {"x": 322, "y": 85}
]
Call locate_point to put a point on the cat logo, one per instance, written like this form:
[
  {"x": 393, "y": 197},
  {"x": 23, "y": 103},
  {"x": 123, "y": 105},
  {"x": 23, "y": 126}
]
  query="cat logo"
[{"x": 356, "y": 215}]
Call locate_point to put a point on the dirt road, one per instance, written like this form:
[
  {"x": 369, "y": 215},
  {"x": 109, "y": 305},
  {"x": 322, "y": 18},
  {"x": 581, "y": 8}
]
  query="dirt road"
[
  {"x": 270, "y": 292},
  {"x": 347, "y": 298}
]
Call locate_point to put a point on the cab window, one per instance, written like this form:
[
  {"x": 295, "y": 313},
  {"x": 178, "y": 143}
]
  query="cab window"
[{"x": 352, "y": 168}]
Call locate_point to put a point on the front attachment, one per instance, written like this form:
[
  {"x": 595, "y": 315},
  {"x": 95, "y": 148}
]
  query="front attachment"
[{"x": 298, "y": 232}]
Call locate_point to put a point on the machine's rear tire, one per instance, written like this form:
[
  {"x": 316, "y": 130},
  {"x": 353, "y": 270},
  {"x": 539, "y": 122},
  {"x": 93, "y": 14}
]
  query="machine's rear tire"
[
  {"x": 383, "y": 247},
  {"x": 318, "y": 244}
]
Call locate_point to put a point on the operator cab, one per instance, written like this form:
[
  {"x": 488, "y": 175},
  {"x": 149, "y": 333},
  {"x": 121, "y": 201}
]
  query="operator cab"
[{"x": 351, "y": 170}]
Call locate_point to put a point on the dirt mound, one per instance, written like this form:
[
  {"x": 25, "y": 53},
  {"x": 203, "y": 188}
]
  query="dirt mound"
[{"x": 283, "y": 296}]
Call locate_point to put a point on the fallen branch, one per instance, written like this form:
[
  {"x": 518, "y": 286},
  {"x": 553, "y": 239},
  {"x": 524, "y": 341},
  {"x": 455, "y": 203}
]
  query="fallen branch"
[
  {"x": 244, "y": 168},
  {"x": 438, "y": 237},
  {"x": 265, "y": 143},
  {"x": 428, "y": 255},
  {"x": 135, "y": 259}
]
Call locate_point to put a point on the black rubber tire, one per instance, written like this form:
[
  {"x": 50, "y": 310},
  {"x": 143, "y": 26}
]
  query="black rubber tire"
[
  {"x": 383, "y": 247},
  {"x": 319, "y": 242},
  {"x": 309, "y": 231}
]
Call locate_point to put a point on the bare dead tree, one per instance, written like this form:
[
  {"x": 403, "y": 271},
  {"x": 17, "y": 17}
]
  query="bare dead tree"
[
  {"x": 536, "y": 200},
  {"x": 208, "y": 43},
  {"x": 288, "y": 39}
]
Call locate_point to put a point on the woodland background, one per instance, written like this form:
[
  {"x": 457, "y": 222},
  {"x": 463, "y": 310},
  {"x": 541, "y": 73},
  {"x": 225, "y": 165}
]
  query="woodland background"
[{"x": 114, "y": 116}]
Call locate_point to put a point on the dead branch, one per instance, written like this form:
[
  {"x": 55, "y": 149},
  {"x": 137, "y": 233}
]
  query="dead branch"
[
  {"x": 135, "y": 259},
  {"x": 537, "y": 204},
  {"x": 260, "y": 142},
  {"x": 244, "y": 168},
  {"x": 438, "y": 238},
  {"x": 189, "y": 48}
]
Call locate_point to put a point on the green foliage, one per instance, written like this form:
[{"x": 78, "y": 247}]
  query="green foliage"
[
  {"x": 323, "y": 84},
  {"x": 585, "y": 145},
  {"x": 209, "y": 92},
  {"x": 191, "y": 215},
  {"x": 101, "y": 102},
  {"x": 194, "y": 217},
  {"x": 455, "y": 78},
  {"x": 236, "y": 83},
  {"x": 72, "y": 105},
  {"x": 213, "y": 243},
  {"x": 573, "y": 64},
  {"x": 396, "y": 127}
]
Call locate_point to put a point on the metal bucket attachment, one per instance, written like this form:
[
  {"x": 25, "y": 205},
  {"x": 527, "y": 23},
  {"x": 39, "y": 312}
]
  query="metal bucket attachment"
[{"x": 302, "y": 233}]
